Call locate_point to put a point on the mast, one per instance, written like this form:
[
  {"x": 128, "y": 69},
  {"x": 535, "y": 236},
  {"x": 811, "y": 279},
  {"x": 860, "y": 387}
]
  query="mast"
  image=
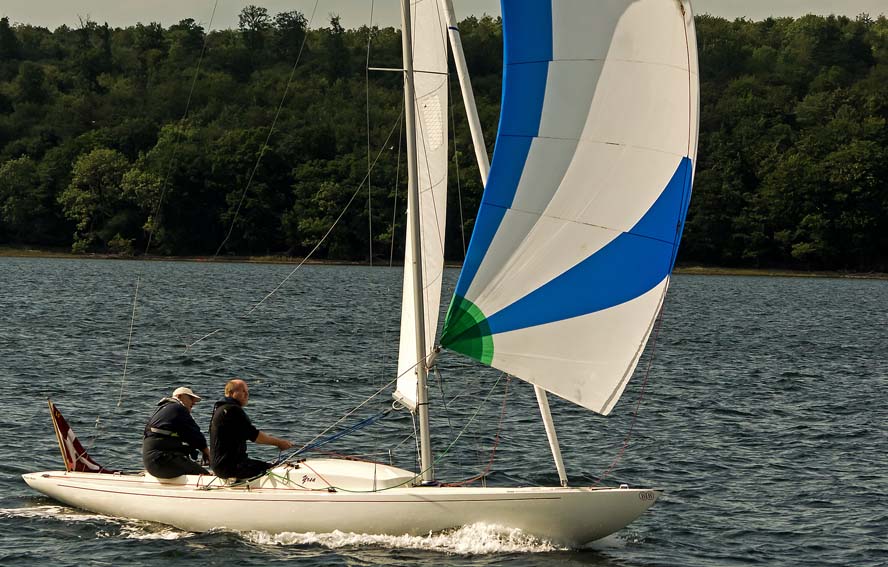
[
  {"x": 427, "y": 473},
  {"x": 543, "y": 402},
  {"x": 465, "y": 85}
]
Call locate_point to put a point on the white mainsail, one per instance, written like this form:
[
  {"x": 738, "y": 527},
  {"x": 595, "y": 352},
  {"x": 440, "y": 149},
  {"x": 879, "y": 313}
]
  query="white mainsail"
[
  {"x": 588, "y": 190},
  {"x": 430, "y": 80}
]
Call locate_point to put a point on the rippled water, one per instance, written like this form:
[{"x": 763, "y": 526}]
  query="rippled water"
[{"x": 764, "y": 416}]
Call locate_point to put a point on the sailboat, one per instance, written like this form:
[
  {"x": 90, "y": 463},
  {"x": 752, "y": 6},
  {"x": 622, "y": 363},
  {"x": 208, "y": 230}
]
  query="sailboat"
[{"x": 565, "y": 275}]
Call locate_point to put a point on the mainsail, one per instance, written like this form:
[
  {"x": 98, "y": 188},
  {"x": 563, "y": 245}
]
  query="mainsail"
[
  {"x": 591, "y": 178},
  {"x": 430, "y": 80}
]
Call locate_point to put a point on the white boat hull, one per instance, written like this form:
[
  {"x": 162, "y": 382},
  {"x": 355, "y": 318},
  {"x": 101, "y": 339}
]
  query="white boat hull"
[{"x": 285, "y": 503}]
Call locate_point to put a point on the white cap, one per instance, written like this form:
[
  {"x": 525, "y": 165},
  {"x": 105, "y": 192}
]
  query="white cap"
[{"x": 187, "y": 391}]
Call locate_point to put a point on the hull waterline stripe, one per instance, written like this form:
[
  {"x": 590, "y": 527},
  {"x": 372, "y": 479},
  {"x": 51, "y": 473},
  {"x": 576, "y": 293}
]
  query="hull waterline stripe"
[{"x": 406, "y": 500}]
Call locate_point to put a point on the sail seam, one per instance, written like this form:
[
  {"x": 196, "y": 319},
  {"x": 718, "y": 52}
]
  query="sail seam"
[
  {"x": 596, "y": 141},
  {"x": 591, "y": 225},
  {"x": 574, "y": 221},
  {"x": 608, "y": 59}
]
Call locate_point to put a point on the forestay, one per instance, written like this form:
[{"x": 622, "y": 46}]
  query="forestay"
[
  {"x": 581, "y": 218},
  {"x": 430, "y": 79}
]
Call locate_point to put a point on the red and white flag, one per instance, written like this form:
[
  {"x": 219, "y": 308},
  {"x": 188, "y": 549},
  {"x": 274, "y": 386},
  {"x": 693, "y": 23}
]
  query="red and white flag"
[{"x": 75, "y": 456}]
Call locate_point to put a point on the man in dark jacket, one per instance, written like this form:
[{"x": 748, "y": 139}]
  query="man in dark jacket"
[
  {"x": 171, "y": 437},
  {"x": 230, "y": 429}
]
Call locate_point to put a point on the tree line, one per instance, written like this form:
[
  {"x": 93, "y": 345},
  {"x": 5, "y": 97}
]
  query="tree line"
[{"x": 252, "y": 140}]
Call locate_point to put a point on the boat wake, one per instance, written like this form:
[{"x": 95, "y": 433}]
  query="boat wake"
[
  {"x": 475, "y": 539},
  {"x": 129, "y": 529},
  {"x": 56, "y": 512},
  {"x": 612, "y": 541},
  {"x": 139, "y": 530}
]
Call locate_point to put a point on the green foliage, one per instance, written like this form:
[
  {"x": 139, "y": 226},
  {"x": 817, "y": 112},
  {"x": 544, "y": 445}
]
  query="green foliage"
[
  {"x": 254, "y": 23},
  {"x": 10, "y": 47},
  {"x": 114, "y": 136},
  {"x": 30, "y": 85},
  {"x": 94, "y": 198},
  {"x": 22, "y": 200},
  {"x": 121, "y": 246},
  {"x": 791, "y": 169},
  {"x": 290, "y": 29}
]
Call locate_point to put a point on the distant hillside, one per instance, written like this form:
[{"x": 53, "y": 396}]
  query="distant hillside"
[{"x": 97, "y": 150}]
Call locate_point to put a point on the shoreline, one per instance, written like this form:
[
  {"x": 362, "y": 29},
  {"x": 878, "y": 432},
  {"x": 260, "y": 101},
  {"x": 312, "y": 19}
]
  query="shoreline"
[{"x": 690, "y": 269}]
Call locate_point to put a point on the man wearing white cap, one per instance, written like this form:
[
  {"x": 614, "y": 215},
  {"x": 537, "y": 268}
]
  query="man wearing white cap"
[{"x": 171, "y": 436}]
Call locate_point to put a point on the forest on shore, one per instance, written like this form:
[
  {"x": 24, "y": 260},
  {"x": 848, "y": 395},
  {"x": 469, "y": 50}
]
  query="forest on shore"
[{"x": 252, "y": 141}]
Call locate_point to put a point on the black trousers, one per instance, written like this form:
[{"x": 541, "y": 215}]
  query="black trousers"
[
  {"x": 248, "y": 468},
  {"x": 170, "y": 464}
]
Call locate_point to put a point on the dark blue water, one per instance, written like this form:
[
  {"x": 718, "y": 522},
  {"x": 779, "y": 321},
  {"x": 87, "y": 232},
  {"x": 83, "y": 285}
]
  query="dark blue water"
[{"x": 764, "y": 416}]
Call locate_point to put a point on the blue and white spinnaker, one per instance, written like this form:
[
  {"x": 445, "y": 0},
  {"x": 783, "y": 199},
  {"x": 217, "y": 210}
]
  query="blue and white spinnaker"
[{"x": 582, "y": 215}]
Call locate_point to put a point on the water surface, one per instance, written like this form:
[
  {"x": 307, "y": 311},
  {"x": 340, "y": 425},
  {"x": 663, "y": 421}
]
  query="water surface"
[{"x": 763, "y": 413}]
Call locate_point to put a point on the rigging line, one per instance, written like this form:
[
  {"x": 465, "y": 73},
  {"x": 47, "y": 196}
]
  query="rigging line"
[
  {"x": 466, "y": 390},
  {"x": 416, "y": 455},
  {"x": 471, "y": 420},
  {"x": 362, "y": 404},
  {"x": 369, "y": 179},
  {"x": 178, "y": 135},
  {"x": 357, "y": 457},
  {"x": 397, "y": 183},
  {"x": 97, "y": 427},
  {"x": 163, "y": 191},
  {"x": 336, "y": 222},
  {"x": 208, "y": 335},
  {"x": 129, "y": 340},
  {"x": 180, "y": 334},
  {"x": 440, "y": 380},
  {"x": 499, "y": 428},
  {"x": 310, "y": 254},
  {"x": 442, "y": 455},
  {"x": 462, "y": 222},
  {"x": 463, "y": 392},
  {"x": 270, "y": 132},
  {"x": 350, "y": 429},
  {"x": 647, "y": 372},
  {"x": 367, "y": 101},
  {"x": 404, "y": 440}
]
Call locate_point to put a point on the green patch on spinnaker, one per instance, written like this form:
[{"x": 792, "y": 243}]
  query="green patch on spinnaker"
[{"x": 466, "y": 331}]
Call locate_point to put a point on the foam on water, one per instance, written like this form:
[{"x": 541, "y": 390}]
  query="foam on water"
[
  {"x": 140, "y": 530},
  {"x": 57, "y": 512},
  {"x": 129, "y": 529},
  {"x": 474, "y": 539}
]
